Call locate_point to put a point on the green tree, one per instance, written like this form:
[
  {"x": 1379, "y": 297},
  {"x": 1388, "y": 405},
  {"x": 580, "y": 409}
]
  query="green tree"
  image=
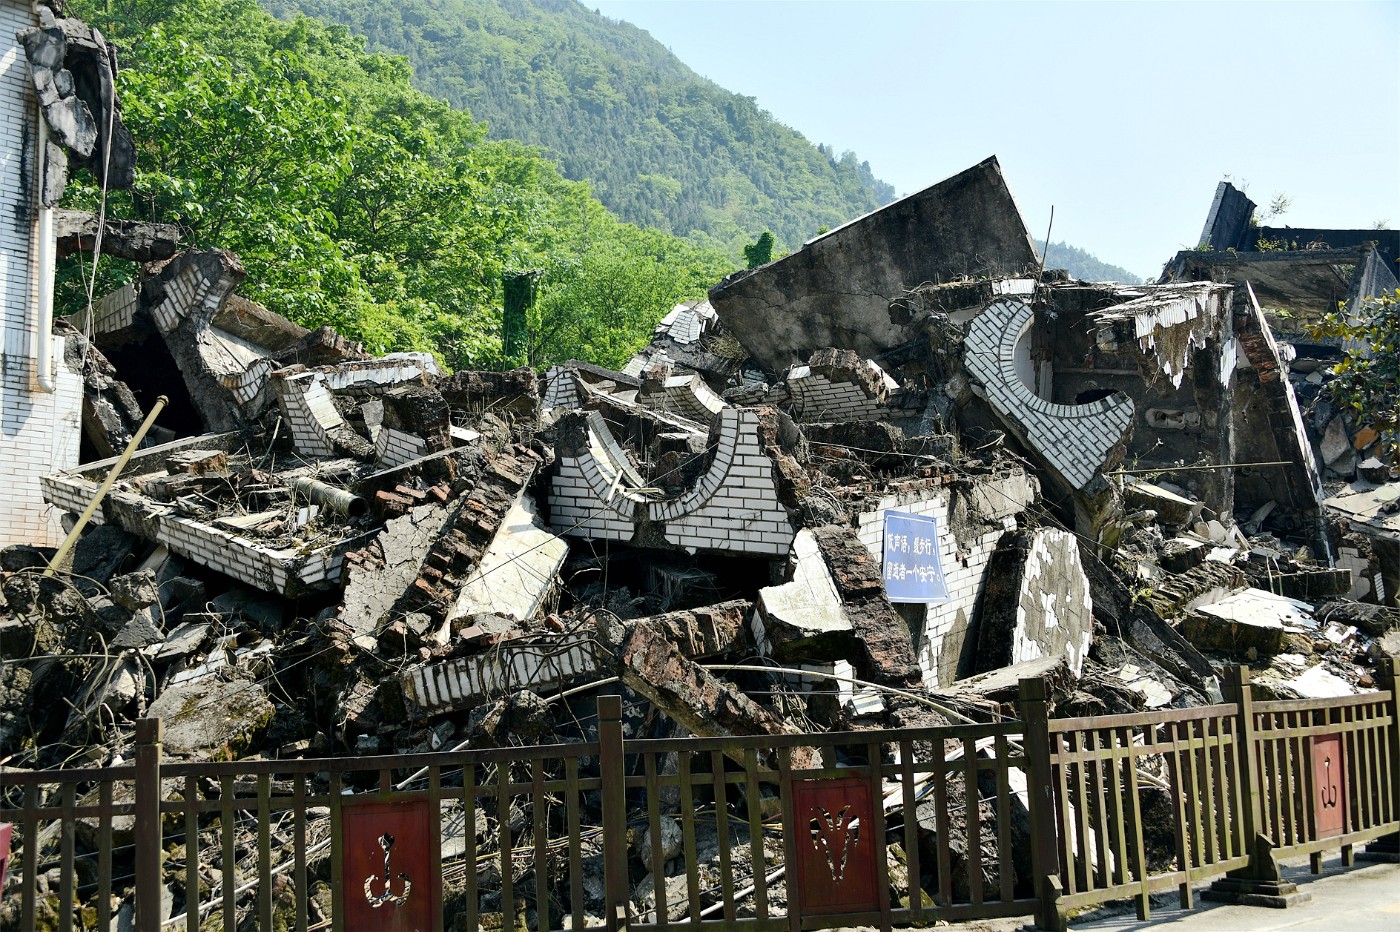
[
  {"x": 355, "y": 200},
  {"x": 760, "y": 252},
  {"x": 1366, "y": 382}
]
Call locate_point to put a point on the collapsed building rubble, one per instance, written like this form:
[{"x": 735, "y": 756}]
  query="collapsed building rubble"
[{"x": 816, "y": 500}]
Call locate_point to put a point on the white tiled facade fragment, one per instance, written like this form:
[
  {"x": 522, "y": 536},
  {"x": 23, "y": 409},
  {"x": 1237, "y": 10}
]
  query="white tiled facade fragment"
[
  {"x": 464, "y": 682},
  {"x": 1074, "y": 439},
  {"x": 733, "y": 507},
  {"x": 287, "y": 571},
  {"x": 685, "y": 396},
  {"x": 964, "y": 571},
  {"x": 39, "y": 431}
]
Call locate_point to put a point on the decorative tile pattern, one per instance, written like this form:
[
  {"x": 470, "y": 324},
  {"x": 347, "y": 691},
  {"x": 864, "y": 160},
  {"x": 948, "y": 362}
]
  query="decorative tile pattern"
[{"x": 1073, "y": 439}]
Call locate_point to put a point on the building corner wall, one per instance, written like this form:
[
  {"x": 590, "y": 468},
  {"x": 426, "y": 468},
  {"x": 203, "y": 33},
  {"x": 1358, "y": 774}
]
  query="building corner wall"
[{"x": 39, "y": 432}]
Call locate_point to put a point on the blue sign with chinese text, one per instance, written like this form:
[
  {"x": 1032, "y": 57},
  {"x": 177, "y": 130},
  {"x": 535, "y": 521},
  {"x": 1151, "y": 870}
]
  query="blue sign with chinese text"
[{"x": 912, "y": 569}]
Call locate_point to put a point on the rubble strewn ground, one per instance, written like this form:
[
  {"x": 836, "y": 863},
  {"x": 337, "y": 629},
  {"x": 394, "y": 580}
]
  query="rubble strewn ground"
[{"x": 327, "y": 553}]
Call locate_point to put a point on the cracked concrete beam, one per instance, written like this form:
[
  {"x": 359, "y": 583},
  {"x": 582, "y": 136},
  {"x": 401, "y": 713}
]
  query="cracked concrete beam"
[
  {"x": 884, "y": 648},
  {"x": 704, "y": 632},
  {"x": 1035, "y": 603},
  {"x": 654, "y": 665},
  {"x": 398, "y": 554},
  {"x": 135, "y": 240}
]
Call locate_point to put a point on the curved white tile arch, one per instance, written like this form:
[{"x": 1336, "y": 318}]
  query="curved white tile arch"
[{"x": 1073, "y": 439}]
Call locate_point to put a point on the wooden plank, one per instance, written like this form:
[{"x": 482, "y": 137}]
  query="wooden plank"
[
  {"x": 472, "y": 899},
  {"x": 1079, "y": 796},
  {"x": 1064, "y": 815},
  {"x": 29, "y": 879},
  {"x": 1373, "y": 774},
  {"x": 756, "y": 854},
  {"x": 1224, "y": 815},
  {"x": 337, "y": 855},
  {"x": 571, "y": 810},
  {"x": 1364, "y": 772},
  {"x": 692, "y": 859},
  {"x": 264, "y": 852},
  {"x": 1138, "y": 851},
  {"x": 940, "y": 817},
  {"x": 907, "y": 779},
  {"x": 1117, "y": 741},
  {"x": 539, "y": 805},
  {"x": 1138, "y": 719},
  {"x": 228, "y": 854},
  {"x": 1385, "y": 753},
  {"x": 104, "y": 858},
  {"x": 874, "y": 754},
  {"x": 1334, "y": 702},
  {"x": 1234, "y": 775},
  {"x": 974, "y": 821},
  {"x": 790, "y": 836},
  {"x": 1193, "y": 798},
  {"x": 1098, "y": 808},
  {"x": 658, "y": 859},
  {"x": 67, "y": 826},
  {"x": 191, "y": 855},
  {"x": 1216, "y": 809},
  {"x": 1270, "y": 788},
  {"x": 1289, "y": 790},
  {"x": 302, "y": 893},
  {"x": 507, "y": 844},
  {"x": 1183, "y": 855},
  {"x": 1390, "y": 743},
  {"x": 1004, "y": 853},
  {"x": 726, "y": 869}
]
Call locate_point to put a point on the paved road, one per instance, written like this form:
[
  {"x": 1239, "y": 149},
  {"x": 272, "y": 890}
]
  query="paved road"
[{"x": 1354, "y": 899}]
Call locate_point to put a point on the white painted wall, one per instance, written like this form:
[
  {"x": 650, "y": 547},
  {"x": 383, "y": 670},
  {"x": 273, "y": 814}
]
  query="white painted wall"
[{"x": 39, "y": 432}]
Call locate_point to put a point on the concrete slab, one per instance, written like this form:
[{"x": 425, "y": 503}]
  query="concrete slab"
[{"x": 517, "y": 571}]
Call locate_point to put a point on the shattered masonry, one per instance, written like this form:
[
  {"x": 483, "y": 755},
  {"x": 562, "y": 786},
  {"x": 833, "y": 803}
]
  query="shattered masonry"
[{"x": 1129, "y": 486}]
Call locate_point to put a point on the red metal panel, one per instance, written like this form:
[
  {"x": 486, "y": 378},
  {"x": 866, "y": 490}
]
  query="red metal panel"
[
  {"x": 1329, "y": 785},
  {"x": 5, "y": 831},
  {"x": 385, "y": 855},
  {"x": 835, "y": 824}
]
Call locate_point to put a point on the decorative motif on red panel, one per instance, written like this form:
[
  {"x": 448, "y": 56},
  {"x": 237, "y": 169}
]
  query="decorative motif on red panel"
[
  {"x": 835, "y": 826},
  {"x": 385, "y": 858},
  {"x": 1329, "y": 786}
]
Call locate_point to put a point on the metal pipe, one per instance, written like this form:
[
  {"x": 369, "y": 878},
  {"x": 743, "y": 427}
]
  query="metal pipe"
[
  {"x": 106, "y": 486},
  {"x": 43, "y": 271},
  {"x": 336, "y": 501}
]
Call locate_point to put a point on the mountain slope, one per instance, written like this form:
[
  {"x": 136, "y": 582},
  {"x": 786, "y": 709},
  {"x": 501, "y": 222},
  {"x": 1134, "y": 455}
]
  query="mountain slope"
[
  {"x": 661, "y": 146},
  {"x": 1084, "y": 265}
]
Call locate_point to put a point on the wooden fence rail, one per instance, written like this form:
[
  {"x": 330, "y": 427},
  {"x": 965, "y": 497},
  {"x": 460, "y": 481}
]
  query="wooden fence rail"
[{"x": 1036, "y": 816}]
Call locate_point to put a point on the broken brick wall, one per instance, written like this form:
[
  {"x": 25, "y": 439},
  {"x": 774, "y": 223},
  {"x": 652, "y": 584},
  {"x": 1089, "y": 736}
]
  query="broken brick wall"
[
  {"x": 733, "y": 507},
  {"x": 1173, "y": 354},
  {"x": 1075, "y": 440},
  {"x": 965, "y": 549}
]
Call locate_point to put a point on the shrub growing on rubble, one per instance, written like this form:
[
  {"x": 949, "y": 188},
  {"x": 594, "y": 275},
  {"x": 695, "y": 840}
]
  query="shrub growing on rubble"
[{"x": 1367, "y": 381}]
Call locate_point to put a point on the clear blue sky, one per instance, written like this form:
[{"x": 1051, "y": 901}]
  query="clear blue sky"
[{"x": 1124, "y": 115}]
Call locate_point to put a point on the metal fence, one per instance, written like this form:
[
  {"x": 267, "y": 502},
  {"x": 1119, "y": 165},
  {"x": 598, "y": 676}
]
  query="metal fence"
[{"x": 796, "y": 832}]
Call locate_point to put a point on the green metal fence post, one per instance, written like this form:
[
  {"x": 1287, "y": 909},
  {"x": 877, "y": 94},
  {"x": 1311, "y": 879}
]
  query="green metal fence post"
[
  {"x": 149, "y": 854},
  {"x": 1045, "y": 860},
  {"x": 613, "y": 775}
]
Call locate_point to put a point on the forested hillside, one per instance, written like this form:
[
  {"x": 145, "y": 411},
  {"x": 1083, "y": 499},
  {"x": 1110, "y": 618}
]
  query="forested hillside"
[
  {"x": 357, "y": 201},
  {"x": 1084, "y": 265},
  {"x": 661, "y": 146}
]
